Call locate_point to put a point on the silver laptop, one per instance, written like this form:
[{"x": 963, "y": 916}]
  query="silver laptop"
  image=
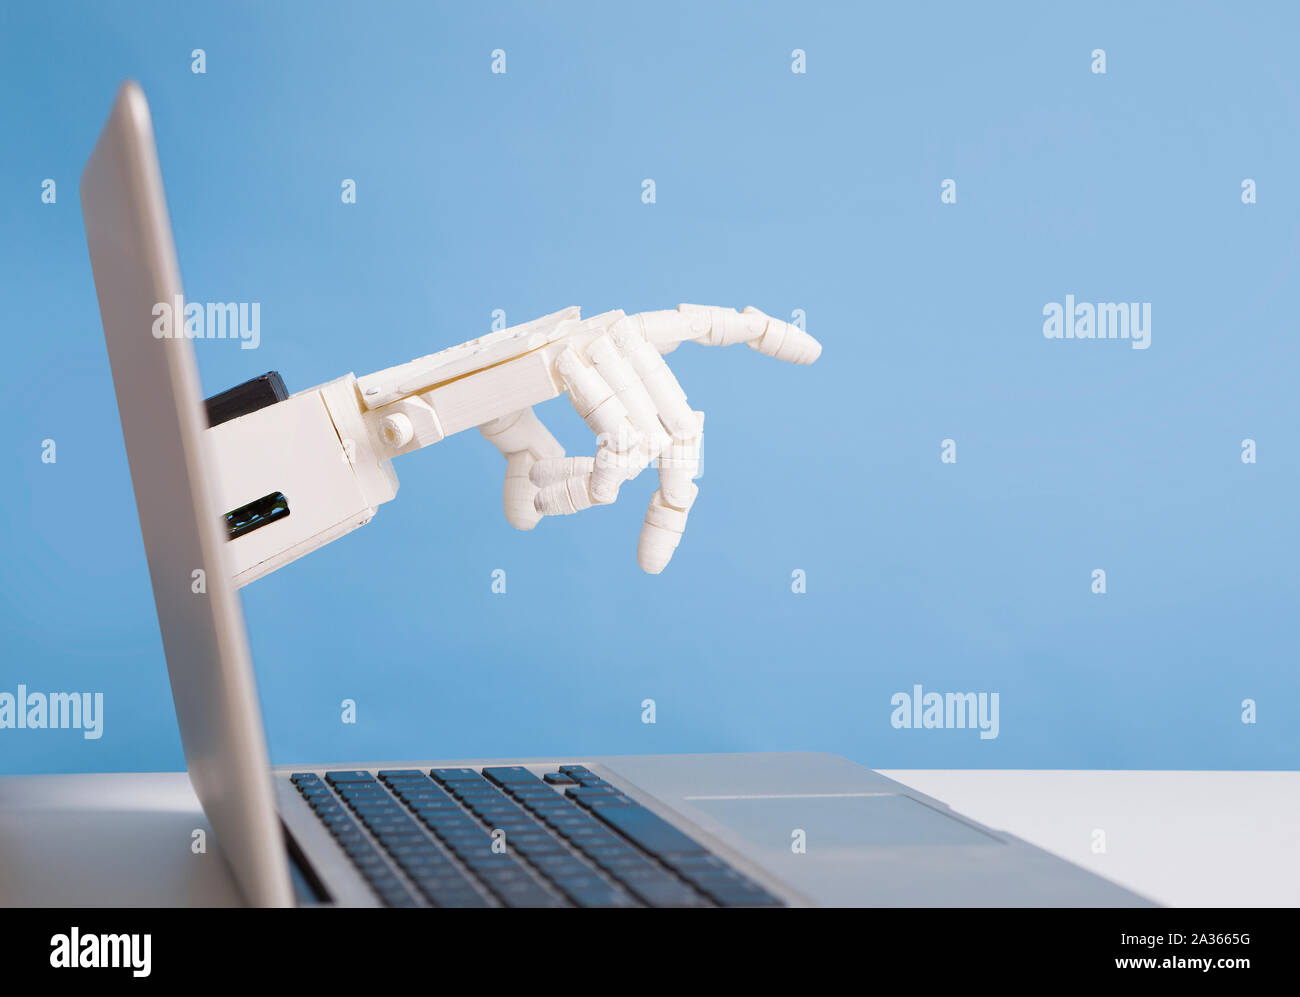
[{"x": 788, "y": 829}]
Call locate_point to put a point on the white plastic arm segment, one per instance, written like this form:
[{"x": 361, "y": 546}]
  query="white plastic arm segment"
[
  {"x": 325, "y": 453},
  {"x": 523, "y": 441}
]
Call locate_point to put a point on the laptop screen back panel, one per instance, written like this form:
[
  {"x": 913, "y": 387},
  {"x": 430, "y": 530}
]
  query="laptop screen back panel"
[{"x": 161, "y": 409}]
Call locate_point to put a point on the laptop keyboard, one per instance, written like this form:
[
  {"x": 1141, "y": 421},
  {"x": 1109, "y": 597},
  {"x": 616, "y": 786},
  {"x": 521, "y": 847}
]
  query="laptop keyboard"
[{"x": 503, "y": 836}]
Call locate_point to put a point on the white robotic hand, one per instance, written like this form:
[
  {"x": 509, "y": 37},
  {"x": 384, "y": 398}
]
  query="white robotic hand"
[
  {"x": 616, "y": 378},
  {"x": 300, "y": 471}
]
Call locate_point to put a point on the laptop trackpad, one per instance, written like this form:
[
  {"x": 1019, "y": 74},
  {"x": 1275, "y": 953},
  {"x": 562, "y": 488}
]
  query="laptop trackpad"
[{"x": 847, "y": 821}]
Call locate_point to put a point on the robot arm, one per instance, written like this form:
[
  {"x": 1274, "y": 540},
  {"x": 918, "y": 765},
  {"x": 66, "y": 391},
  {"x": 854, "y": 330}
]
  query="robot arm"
[{"x": 303, "y": 471}]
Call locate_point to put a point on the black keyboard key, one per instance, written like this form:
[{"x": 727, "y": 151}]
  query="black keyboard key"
[
  {"x": 618, "y": 800},
  {"x": 395, "y": 833},
  {"x": 461, "y": 789},
  {"x": 464, "y": 843},
  {"x": 435, "y": 879},
  {"x": 384, "y": 817},
  {"x": 620, "y": 866},
  {"x": 387, "y": 822},
  {"x": 502, "y": 811},
  {"x": 460, "y": 898},
  {"x": 384, "y": 879},
  {"x": 569, "y": 811},
  {"x": 436, "y": 810},
  {"x": 507, "y": 829},
  {"x": 526, "y": 893},
  {"x": 560, "y": 865},
  {"x": 379, "y": 808},
  {"x": 553, "y": 800},
  {"x": 581, "y": 793},
  {"x": 441, "y": 821},
  {"x": 468, "y": 847},
  {"x": 426, "y": 851},
  {"x": 371, "y": 803},
  {"x": 592, "y": 891},
  {"x": 426, "y": 864},
  {"x": 500, "y": 805},
  {"x": 505, "y": 881},
  {"x": 569, "y": 818},
  {"x": 471, "y": 802},
  {"x": 390, "y": 774},
  {"x": 570, "y": 832},
  {"x": 626, "y": 868},
  {"x": 423, "y": 807},
  {"x": 555, "y": 806},
  {"x": 534, "y": 850},
  {"x": 728, "y": 893},
  {"x": 328, "y": 810},
  {"x": 649, "y": 830},
  {"x": 369, "y": 861},
  {"x": 560, "y": 779},
  {"x": 433, "y": 804},
  {"x": 524, "y": 795},
  {"x": 335, "y": 778},
  {"x": 575, "y": 771},
  {"x": 663, "y": 891},
  {"x": 578, "y": 791},
  {"x": 614, "y": 851},
  {"x": 456, "y": 775},
  {"x": 586, "y": 835},
  {"x": 403, "y": 842},
  {"x": 511, "y": 775},
  {"x": 689, "y": 865},
  {"x": 513, "y": 829},
  {"x": 413, "y": 796},
  {"x": 534, "y": 835},
  {"x": 446, "y": 891}
]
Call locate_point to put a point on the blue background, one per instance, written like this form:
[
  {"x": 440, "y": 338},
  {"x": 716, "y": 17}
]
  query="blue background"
[{"x": 817, "y": 192}]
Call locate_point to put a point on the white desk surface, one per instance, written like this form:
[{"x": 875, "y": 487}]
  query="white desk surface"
[{"x": 1180, "y": 838}]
